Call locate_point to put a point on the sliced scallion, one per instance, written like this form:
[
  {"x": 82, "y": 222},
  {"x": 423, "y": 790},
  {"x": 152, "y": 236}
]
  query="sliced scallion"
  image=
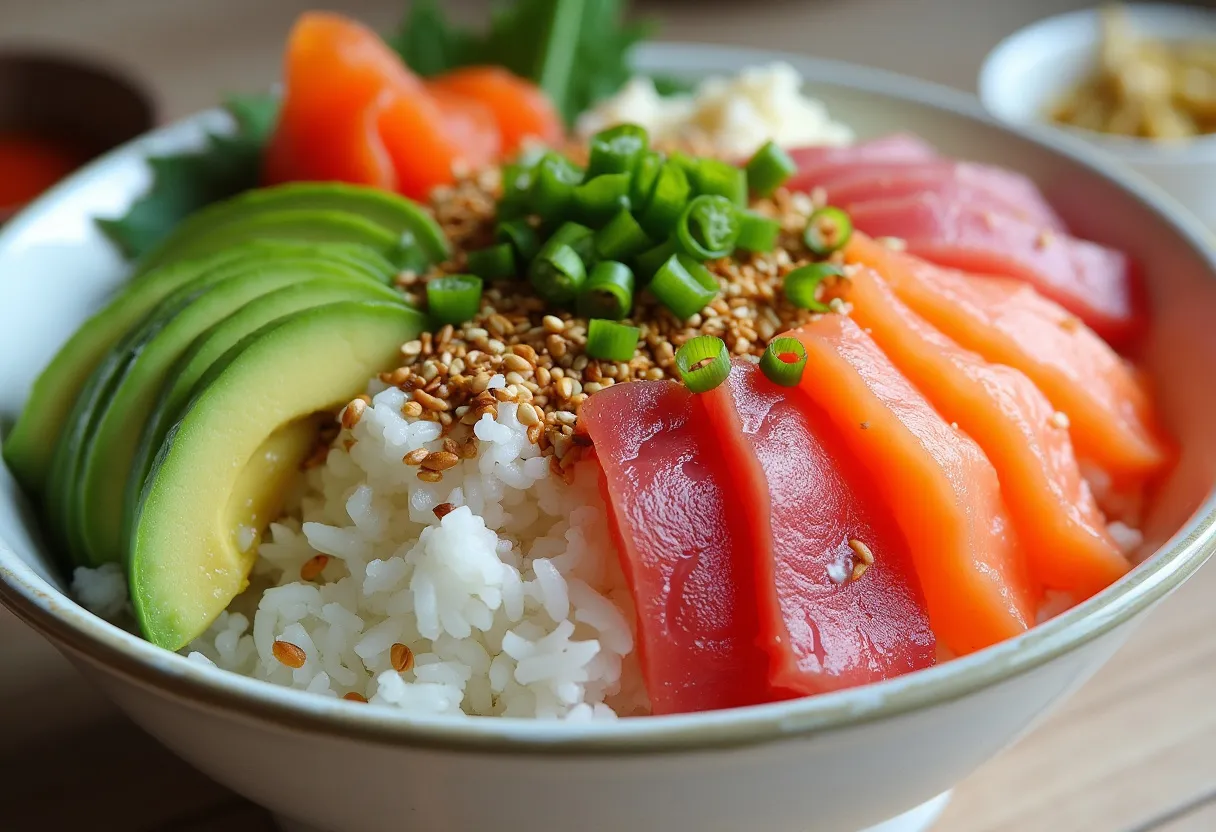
[
  {"x": 703, "y": 363},
  {"x": 708, "y": 227},
  {"x": 517, "y": 180},
  {"x": 718, "y": 178},
  {"x": 645, "y": 175},
  {"x": 598, "y": 200},
  {"x": 557, "y": 273},
  {"x": 553, "y": 186},
  {"x": 667, "y": 201},
  {"x": 801, "y": 286},
  {"x": 683, "y": 285},
  {"x": 611, "y": 341},
  {"x": 649, "y": 261},
  {"x": 453, "y": 299},
  {"x": 768, "y": 169},
  {"x": 607, "y": 292},
  {"x": 617, "y": 149},
  {"x": 621, "y": 238},
  {"x": 827, "y": 230},
  {"x": 784, "y": 361},
  {"x": 492, "y": 263},
  {"x": 757, "y": 233},
  {"x": 578, "y": 237},
  {"x": 521, "y": 236}
]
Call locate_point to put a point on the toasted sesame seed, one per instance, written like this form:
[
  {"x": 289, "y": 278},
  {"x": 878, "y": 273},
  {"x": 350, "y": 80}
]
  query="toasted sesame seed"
[
  {"x": 862, "y": 551},
  {"x": 859, "y": 569},
  {"x": 440, "y": 461},
  {"x": 535, "y": 432},
  {"x": 416, "y": 456},
  {"x": 288, "y": 654},
  {"x": 443, "y": 510},
  {"x": 354, "y": 696},
  {"x": 430, "y": 402},
  {"x": 411, "y": 410},
  {"x": 517, "y": 363},
  {"x": 352, "y": 413},
  {"x": 1060, "y": 420},
  {"x": 527, "y": 415},
  {"x": 469, "y": 449},
  {"x": 313, "y": 567},
  {"x": 552, "y": 323},
  {"x": 411, "y": 348},
  {"x": 401, "y": 657},
  {"x": 430, "y": 476},
  {"x": 865, "y": 425}
]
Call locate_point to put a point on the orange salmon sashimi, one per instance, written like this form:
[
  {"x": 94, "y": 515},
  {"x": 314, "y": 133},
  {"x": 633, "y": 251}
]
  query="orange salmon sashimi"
[
  {"x": 1054, "y": 513},
  {"x": 519, "y": 108},
  {"x": 1105, "y": 401},
  {"x": 935, "y": 481}
]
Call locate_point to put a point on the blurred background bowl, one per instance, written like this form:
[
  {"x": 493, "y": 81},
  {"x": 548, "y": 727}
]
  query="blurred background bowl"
[{"x": 1030, "y": 70}]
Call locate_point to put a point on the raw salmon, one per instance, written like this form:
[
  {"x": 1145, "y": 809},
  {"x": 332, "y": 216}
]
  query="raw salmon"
[
  {"x": 1107, "y": 404},
  {"x": 933, "y": 479},
  {"x": 1095, "y": 283},
  {"x": 805, "y": 501},
  {"x": 520, "y": 109},
  {"x": 680, "y": 547},
  {"x": 1054, "y": 514}
]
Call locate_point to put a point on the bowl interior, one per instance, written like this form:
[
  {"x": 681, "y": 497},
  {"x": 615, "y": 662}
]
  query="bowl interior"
[{"x": 55, "y": 268}]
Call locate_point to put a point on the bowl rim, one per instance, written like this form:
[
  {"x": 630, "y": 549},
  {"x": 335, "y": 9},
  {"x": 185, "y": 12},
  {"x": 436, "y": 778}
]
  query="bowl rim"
[
  {"x": 1128, "y": 148},
  {"x": 92, "y": 641}
]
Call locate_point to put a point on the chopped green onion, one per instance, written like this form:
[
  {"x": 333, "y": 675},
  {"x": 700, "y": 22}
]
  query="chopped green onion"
[
  {"x": 408, "y": 256},
  {"x": 685, "y": 163},
  {"x": 671, "y": 193},
  {"x": 521, "y": 236},
  {"x": 617, "y": 149},
  {"x": 517, "y": 182},
  {"x": 827, "y": 230},
  {"x": 784, "y": 361},
  {"x": 757, "y": 233},
  {"x": 649, "y": 261},
  {"x": 453, "y": 299},
  {"x": 801, "y": 285},
  {"x": 684, "y": 286},
  {"x": 553, "y": 186},
  {"x": 703, "y": 363},
  {"x": 608, "y": 292},
  {"x": 611, "y": 341},
  {"x": 598, "y": 200},
  {"x": 718, "y": 178},
  {"x": 645, "y": 175},
  {"x": 578, "y": 237},
  {"x": 621, "y": 238},
  {"x": 768, "y": 169},
  {"x": 708, "y": 227},
  {"x": 557, "y": 273},
  {"x": 492, "y": 263}
]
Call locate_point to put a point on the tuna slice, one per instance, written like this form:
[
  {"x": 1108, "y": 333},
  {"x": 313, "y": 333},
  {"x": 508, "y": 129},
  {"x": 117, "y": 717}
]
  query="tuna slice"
[
  {"x": 1107, "y": 404},
  {"x": 1095, "y": 283},
  {"x": 1054, "y": 514},
  {"x": 696, "y": 605},
  {"x": 814, "y": 162},
  {"x": 933, "y": 479},
  {"x": 804, "y": 503},
  {"x": 984, "y": 186}
]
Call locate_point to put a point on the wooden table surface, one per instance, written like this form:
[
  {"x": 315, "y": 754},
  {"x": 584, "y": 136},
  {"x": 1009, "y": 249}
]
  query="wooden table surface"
[{"x": 1134, "y": 750}]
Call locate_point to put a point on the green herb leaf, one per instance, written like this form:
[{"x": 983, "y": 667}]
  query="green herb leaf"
[
  {"x": 185, "y": 182},
  {"x": 429, "y": 44}
]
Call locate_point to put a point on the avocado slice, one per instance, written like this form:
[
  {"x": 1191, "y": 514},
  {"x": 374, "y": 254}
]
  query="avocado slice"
[
  {"x": 403, "y": 217},
  {"x": 186, "y": 561},
  {"x": 290, "y": 224},
  {"x": 29, "y": 448},
  {"x": 113, "y": 436},
  {"x": 213, "y": 344}
]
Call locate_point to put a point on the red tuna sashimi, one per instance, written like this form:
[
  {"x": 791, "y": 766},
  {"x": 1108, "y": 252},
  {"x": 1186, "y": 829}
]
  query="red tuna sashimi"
[
  {"x": 934, "y": 481},
  {"x": 813, "y": 162},
  {"x": 1093, "y": 282},
  {"x": 668, "y": 495},
  {"x": 984, "y": 186},
  {"x": 805, "y": 502}
]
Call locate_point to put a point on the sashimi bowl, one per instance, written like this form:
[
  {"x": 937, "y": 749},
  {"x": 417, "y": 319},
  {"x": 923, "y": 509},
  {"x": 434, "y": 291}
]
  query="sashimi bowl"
[{"x": 881, "y": 755}]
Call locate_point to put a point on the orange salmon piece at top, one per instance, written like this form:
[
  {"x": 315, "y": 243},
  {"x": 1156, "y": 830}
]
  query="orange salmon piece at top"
[
  {"x": 932, "y": 478},
  {"x": 1055, "y": 516},
  {"x": 519, "y": 108},
  {"x": 1108, "y": 407}
]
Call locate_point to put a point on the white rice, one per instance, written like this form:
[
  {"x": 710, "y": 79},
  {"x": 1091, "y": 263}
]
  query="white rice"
[{"x": 512, "y": 604}]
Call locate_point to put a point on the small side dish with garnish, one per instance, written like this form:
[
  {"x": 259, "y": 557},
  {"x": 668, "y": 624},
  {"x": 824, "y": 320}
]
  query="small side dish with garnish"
[{"x": 622, "y": 416}]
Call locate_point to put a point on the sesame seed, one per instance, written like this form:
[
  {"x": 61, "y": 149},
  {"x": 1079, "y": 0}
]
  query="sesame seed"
[
  {"x": 440, "y": 461},
  {"x": 443, "y": 510},
  {"x": 401, "y": 657},
  {"x": 411, "y": 410},
  {"x": 429, "y": 402},
  {"x": 865, "y": 425},
  {"x": 862, "y": 551},
  {"x": 415, "y": 457},
  {"x": 430, "y": 476},
  {"x": 554, "y": 324},
  {"x": 313, "y": 567},
  {"x": 1060, "y": 420},
  {"x": 352, "y": 413},
  {"x": 354, "y": 696},
  {"x": 859, "y": 569},
  {"x": 288, "y": 654}
]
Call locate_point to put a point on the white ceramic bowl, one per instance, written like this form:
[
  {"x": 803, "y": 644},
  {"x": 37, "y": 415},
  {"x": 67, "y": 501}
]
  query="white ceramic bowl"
[
  {"x": 1028, "y": 71},
  {"x": 838, "y": 763}
]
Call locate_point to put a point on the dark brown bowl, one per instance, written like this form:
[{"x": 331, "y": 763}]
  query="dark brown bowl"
[{"x": 71, "y": 99}]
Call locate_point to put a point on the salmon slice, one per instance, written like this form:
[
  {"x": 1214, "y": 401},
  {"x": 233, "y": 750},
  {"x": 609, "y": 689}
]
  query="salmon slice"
[
  {"x": 680, "y": 548},
  {"x": 933, "y": 479},
  {"x": 1108, "y": 406},
  {"x": 1054, "y": 513},
  {"x": 815, "y": 162},
  {"x": 1095, "y": 283},
  {"x": 984, "y": 186},
  {"x": 520, "y": 109},
  {"x": 804, "y": 503}
]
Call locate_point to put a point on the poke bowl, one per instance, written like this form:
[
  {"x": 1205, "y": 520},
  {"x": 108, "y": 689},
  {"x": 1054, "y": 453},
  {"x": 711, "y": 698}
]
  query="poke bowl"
[{"x": 790, "y": 567}]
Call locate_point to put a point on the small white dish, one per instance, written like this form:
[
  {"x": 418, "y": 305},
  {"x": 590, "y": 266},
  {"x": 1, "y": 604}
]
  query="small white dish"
[{"x": 1029, "y": 70}]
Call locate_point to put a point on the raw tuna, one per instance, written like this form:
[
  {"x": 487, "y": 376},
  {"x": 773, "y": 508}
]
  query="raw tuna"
[
  {"x": 1054, "y": 513},
  {"x": 814, "y": 162},
  {"x": 933, "y": 480},
  {"x": 1095, "y": 283},
  {"x": 681, "y": 548},
  {"x": 804, "y": 503},
  {"x": 1107, "y": 404}
]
